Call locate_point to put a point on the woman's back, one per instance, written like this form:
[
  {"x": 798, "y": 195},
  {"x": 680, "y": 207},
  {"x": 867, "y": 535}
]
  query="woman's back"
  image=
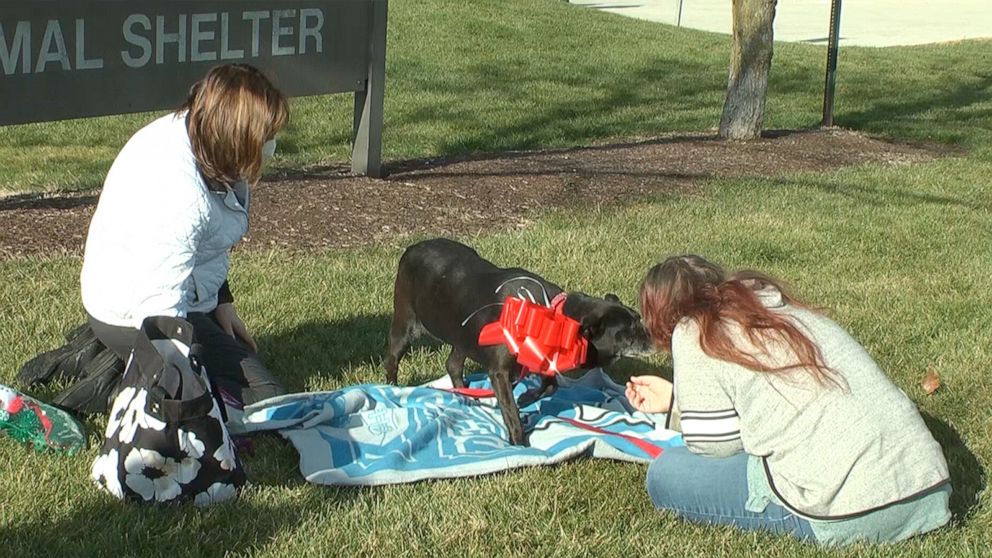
[{"x": 830, "y": 449}]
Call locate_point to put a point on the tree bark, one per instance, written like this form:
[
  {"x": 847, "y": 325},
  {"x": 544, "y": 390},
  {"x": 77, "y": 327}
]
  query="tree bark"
[{"x": 750, "y": 62}]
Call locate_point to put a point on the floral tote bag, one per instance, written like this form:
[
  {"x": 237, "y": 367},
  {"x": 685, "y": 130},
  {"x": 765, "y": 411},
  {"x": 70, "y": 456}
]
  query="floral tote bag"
[{"x": 166, "y": 441}]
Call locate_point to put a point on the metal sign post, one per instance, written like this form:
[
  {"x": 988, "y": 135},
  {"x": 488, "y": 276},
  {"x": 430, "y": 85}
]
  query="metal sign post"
[
  {"x": 366, "y": 134},
  {"x": 831, "y": 78},
  {"x": 62, "y": 59}
]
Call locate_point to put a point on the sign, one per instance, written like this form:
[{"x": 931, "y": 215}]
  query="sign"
[{"x": 62, "y": 59}]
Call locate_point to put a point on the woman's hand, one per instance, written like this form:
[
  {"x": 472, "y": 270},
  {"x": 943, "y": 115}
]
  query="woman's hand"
[
  {"x": 650, "y": 394},
  {"x": 228, "y": 319}
]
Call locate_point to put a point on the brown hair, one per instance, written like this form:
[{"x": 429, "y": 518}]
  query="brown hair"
[
  {"x": 689, "y": 286},
  {"x": 231, "y": 113}
]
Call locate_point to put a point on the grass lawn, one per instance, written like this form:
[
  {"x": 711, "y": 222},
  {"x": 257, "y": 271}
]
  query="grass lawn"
[
  {"x": 492, "y": 75},
  {"x": 899, "y": 255}
]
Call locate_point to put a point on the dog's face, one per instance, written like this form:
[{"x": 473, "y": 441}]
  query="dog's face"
[{"x": 612, "y": 329}]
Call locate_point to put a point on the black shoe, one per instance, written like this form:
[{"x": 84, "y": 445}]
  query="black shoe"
[
  {"x": 97, "y": 387},
  {"x": 65, "y": 362}
]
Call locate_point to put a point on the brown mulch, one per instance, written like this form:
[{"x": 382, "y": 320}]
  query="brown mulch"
[{"x": 467, "y": 195}]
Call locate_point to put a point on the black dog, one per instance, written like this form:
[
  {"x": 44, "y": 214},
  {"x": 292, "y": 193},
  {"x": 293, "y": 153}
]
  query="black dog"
[{"x": 446, "y": 289}]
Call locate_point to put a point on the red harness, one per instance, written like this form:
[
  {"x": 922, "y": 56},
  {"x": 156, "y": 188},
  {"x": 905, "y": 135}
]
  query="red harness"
[{"x": 544, "y": 340}]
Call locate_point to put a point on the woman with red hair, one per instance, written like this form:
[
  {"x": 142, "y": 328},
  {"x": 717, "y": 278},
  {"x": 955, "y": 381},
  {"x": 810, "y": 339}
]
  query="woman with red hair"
[{"x": 789, "y": 425}]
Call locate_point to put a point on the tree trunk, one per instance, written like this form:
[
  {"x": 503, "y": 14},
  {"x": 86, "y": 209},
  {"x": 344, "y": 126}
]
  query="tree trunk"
[{"x": 750, "y": 62}]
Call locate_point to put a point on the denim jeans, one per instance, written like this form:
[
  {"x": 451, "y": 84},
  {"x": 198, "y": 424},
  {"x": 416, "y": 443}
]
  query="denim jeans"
[{"x": 714, "y": 490}]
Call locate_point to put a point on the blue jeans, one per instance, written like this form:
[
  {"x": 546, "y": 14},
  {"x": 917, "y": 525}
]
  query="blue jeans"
[{"x": 714, "y": 490}]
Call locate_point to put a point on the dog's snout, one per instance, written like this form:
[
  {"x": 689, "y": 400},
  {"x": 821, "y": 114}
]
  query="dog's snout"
[{"x": 639, "y": 342}]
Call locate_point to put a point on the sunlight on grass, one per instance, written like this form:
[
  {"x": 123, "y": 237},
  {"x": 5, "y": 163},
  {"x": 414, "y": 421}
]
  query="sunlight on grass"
[
  {"x": 897, "y": 254},
  {"x": 491, "y": 75}
]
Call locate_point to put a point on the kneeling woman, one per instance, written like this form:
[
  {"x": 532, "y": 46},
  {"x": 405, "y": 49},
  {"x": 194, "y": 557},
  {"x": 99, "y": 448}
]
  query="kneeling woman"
[
  {"x": 174, "y": 203},
  {"x": 789, "y": 424}
]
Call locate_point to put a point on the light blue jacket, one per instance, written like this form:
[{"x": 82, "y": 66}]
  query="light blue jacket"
[{"x": 159, "y": 241}]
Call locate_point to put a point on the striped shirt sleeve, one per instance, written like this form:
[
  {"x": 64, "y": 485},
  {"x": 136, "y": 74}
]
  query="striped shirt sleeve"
[
  {"x": 701, "y": 406},
  {"x": 710, "y": 426}
]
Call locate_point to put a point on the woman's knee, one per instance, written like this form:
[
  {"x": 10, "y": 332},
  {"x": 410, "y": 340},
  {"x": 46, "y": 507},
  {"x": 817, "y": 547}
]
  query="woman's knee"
[{"x": 667, "y": 477}]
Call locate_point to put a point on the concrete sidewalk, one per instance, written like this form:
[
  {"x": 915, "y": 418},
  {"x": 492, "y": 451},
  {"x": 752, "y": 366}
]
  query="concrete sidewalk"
[{"x": 863, "y": 22}]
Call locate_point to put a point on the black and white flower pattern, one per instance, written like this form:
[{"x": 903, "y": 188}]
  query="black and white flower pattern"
[
  {"x": 104, "y": 472},
  {"x": 135, "y": 417},
  {"x": 187, "y": 457},
  {"x": 215, "y": 493},
  {"x": 225, "y": 452},
  {"x": 192, "y": 448},
  {"x": 152, "y": 475},
  {"x": 121, "y": 405},
  {"x": 190, "y": 443}
]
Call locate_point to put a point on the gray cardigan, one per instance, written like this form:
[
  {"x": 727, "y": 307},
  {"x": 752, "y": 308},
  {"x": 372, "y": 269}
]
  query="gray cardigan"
[{"x": 829, "y": 452}]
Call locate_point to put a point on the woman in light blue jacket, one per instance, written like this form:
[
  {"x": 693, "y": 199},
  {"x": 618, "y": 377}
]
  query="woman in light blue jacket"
[{"x": 173, "y": 204}]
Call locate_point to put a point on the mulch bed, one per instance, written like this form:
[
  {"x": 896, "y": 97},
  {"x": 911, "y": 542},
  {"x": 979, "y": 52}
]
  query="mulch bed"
[{"x": 325, "y": 208}]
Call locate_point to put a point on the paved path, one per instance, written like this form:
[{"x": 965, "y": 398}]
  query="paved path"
[{"x": 863, "y": 22}]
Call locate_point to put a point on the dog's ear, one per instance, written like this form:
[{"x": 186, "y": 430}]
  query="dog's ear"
[
  {"x": 591, "y": 326},
  {"x": 612, "y": 298}
]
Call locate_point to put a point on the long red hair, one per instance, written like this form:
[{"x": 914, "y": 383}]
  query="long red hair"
[{"x": 689, "y": 286}]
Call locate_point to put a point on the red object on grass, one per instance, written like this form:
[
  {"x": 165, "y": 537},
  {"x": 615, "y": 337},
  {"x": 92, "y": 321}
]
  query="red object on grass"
[
  {"x": 15, "y": 406},
  {"x": 544, "y": 340}
]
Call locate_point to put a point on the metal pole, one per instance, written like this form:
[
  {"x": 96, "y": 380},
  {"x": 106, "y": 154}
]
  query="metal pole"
[
  {"x": 831, "y": 78},
  {"x": 679, "y": 23},
  {"x": 366, "y": 135}
]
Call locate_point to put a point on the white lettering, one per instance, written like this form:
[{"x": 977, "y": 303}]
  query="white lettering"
[
  {"x": 81, "y": 62},
  {"x": 278, "y": 31},
  {"x": 161, "y": 38},
  {"x": 53, "y": 33},
  {"x": 198, "y": 35},
  {"x": 137, "y": 40},
  {"x": 306, "y": 31},
  {"x": 254, "y": 18},
  {"x": 225, "y": 40},
  {"x": 19, "y": 45}
]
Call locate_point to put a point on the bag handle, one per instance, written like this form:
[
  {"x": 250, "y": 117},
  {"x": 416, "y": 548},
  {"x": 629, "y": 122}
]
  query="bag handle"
[{"x": 161, "y": 404}]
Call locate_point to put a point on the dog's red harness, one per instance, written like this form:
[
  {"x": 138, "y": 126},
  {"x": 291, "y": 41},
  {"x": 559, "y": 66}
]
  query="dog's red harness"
[{"x": 544, "y": 340}]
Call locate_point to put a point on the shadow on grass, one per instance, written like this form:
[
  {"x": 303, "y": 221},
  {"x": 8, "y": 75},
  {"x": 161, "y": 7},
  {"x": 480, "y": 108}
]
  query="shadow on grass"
[
  {"x": 961, "y": 99},
  {"x": 967, "y": 473},
  {"x": 881, "y": 197},
  {"x": 65, "y": 200},
  {"x": 415, "y": 165},
  {"x": 327, "y": 349},
  {"x": 543, "y": 161},
  {"x": 105, "y": 527}
]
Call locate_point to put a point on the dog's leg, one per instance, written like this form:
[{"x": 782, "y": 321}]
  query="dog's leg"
[
  {"x": 456, "y": 367},
  {"x": 507, "y": 405},
  {"x": 548, "y": 386},
  {"x": 401, "y": 333}
]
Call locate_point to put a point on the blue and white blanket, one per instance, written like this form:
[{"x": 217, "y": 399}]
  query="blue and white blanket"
[{"x": 379, "y": 434}]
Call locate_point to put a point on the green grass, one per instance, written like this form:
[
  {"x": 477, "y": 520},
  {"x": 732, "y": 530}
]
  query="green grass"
[
  {"x": 489, "y": 75},
  {"x": 899, "y": 255}
]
